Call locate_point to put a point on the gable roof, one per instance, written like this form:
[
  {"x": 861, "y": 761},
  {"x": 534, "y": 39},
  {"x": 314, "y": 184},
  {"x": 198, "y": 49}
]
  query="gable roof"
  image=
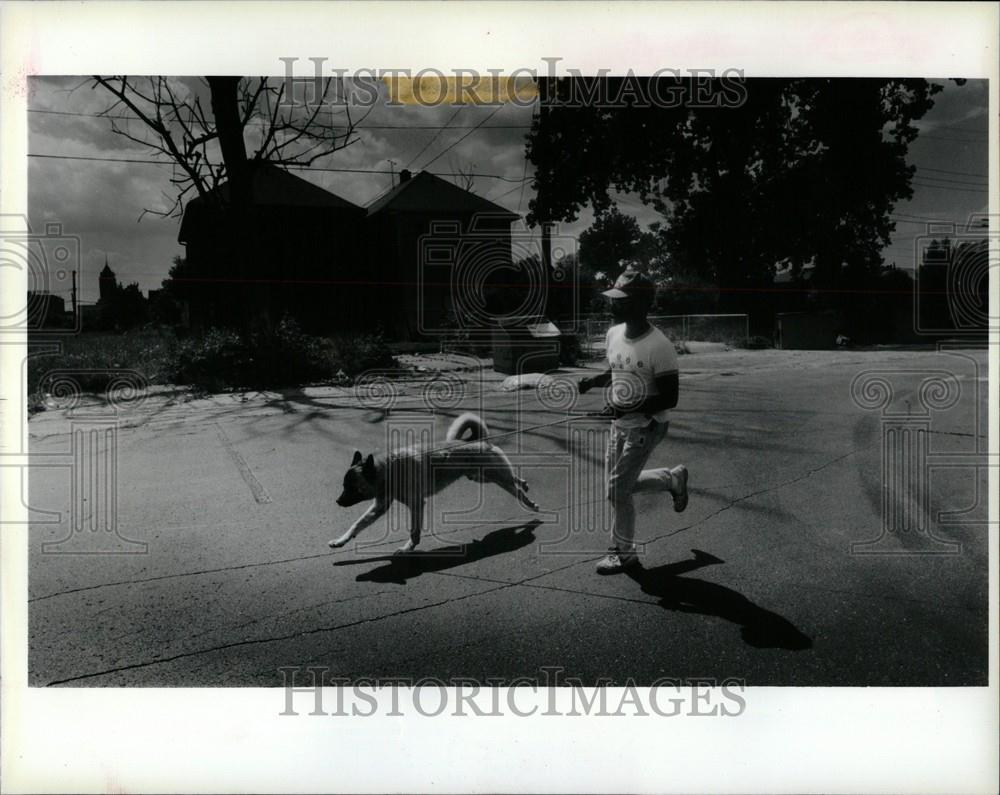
[
  {"x": 274, "y": 187},
  {"x": 271, "y": 186},
  {"x": 425, "y": 192}
]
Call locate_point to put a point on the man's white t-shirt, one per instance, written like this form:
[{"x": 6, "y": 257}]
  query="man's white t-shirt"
[{"x": 635, "y": 364}]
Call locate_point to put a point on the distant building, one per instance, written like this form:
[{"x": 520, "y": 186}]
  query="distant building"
[
  {"x": 90, "y": 317},
  {"x": 107, "y": 283},
  {"x": 45, "y": 310}
]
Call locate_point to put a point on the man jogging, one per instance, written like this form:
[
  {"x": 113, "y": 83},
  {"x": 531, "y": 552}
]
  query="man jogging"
[{"x": 644, "y": 380}]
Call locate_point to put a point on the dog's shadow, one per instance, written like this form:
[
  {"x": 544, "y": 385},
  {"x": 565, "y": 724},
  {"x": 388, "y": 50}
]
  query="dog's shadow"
[
  {"x": 399, "y": 569},
  {"x": 760, "y": 628}
]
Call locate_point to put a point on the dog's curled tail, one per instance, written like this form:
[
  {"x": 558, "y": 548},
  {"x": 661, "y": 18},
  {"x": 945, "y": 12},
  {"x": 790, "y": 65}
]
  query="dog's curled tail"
[{"x": 464, "y": 422}]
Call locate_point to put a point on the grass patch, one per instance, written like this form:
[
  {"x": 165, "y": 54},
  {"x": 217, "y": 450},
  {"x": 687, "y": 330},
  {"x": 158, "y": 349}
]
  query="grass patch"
[
  {"x": 93, "y": 359},
  {"x": 216, "y": 361}
]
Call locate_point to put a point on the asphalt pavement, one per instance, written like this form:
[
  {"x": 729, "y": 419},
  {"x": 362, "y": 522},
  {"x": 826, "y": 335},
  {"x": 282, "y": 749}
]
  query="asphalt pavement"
[{"x": 832, "y": 537}]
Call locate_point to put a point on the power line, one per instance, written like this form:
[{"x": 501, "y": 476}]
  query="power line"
[
  {"x": 949, "y": 181},
  {"x": 956, "y": 173},
  {"x": 436, "y": 136},
  {"x": 923, "y": 218},
  {"x": 126, "y": 117},
  {"x": 949, "y": 187},
  {"x": 294, "y": 166},
  {"x": 524, "y": 177},
  {"x": 456, "y": 143},
  {"x": 953, "y": 140}
]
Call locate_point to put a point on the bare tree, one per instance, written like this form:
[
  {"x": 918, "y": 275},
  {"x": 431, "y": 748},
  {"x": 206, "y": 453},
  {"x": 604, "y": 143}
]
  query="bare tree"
[
  {"x": 248, "y": 121},
  {"x": 464, "y": 177}
]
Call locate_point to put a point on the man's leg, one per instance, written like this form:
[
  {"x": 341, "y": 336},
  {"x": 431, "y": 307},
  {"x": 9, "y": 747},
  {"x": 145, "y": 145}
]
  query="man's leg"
[
  {"x": 672, "y": 479},
  {"x": 634, "y": 447}
]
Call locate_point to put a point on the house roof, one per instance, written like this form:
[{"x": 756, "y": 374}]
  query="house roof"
[
  {"x": 425, "y": 192},
  {"x": 271, "y": 186},
  {"x": 274, "y": 187}
]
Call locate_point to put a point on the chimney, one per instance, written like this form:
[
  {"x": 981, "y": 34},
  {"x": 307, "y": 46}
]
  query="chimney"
[{"x": 404, "y": 176}]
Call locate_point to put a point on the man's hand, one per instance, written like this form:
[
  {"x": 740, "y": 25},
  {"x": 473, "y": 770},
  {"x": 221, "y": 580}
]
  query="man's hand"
[
  {"x": 611, "y": 412},
  {"x": 585, "y": 384}
]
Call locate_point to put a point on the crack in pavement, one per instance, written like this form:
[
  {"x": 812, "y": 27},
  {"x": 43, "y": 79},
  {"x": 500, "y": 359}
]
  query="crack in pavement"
[
  {"x": 473, "y": 527},
  {"x": 303, "y": 633},
  {"x": 503, "y": 585},
  {"x": 199, "y": 572},
  {"x": 500, "y": 586},
  {"x": 757, "y": 493},
  {"x": 257, "y": 489},
  {"x": 267, "y": 616},
  {"x": 141, "y": 580},
  {"x": 957, "y": 433},
  {"x": 273, "y": 639}
]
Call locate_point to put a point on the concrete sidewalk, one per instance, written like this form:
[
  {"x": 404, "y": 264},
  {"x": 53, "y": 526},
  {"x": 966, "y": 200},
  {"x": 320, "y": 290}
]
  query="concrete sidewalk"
[{"x": 233, "y": 496}]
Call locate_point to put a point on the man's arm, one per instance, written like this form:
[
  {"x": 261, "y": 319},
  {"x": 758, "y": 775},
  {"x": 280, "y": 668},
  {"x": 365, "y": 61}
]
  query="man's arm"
[
  {"x": 668, "y": 392},
  {"x": 586, "y": 384}
]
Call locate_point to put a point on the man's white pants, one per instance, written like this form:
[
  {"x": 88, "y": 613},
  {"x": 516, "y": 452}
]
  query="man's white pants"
[{"x": 628, "y": 451}]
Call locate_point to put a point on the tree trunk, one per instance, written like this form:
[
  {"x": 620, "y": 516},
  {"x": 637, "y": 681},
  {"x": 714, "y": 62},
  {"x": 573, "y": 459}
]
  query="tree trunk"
[{"x": 247, "y": 291}]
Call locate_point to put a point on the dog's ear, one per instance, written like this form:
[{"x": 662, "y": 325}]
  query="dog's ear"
[
  {"x": 357, "y": 458},
  {"x": 369, "y": 467}
]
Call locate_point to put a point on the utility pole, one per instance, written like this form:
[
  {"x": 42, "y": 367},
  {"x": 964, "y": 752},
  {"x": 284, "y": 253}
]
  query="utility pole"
[
  {"x": 392, "y": 173},
  {"x": 76, "y": 317}
]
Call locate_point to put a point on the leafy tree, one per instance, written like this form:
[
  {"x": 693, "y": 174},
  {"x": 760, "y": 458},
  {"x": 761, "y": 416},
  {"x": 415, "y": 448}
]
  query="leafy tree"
[
  {"x": 613, "y": 242},
  {"x": 124, "y": 308},
  {"x": 804, "y": 170}
]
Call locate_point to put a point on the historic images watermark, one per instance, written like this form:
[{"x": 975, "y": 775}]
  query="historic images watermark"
[
  {"x": 907, "y": 401},
  {"x": 313, "y": 80},
  {"x": 409, "y": 412},
  {"x": 485, "y": 289},
  {"x": 94, "y": 400},
  {"x": 475, "y": 277},
  {"x": 49, "y": 262},
  {"x": 952, "y": 267},
  {"x": 313, "y": 691},
  {"x": 88, "y": 464}
]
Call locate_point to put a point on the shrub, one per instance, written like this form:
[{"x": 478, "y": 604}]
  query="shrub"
[
  {"x": 570, "y": 349},
  {"x": 212, "y": 362},
  {"x": 283, "y": 357},
  {"x": 355, "y": 353}
]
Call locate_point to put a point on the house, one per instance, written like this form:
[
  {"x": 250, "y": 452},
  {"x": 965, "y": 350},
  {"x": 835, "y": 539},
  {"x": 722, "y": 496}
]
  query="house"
[
  {"x": 434, "y": 250},
  {"x": 300, "y": 253},
  {"x": 395, "y": 265}
]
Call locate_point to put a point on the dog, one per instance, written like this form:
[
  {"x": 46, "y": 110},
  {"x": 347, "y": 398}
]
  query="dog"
[{"x": 411, "y": 475}]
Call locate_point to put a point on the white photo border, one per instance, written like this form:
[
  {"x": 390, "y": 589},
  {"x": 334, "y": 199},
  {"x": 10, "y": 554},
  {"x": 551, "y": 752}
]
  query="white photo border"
[{"x": 210, "y": 740}]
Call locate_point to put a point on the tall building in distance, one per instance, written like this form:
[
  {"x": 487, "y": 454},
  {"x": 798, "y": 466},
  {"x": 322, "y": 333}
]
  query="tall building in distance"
[{"x": 107, "y": 282}]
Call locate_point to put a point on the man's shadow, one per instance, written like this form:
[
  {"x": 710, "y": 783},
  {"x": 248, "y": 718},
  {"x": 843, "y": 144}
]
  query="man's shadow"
[
  {"x": 760, "y": 628},
  {"x": 399, "y": 569}
]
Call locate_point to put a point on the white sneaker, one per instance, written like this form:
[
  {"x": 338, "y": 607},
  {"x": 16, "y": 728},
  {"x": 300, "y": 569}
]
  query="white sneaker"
[
  {"x": 680, "y": 475},
  {"x": 616, "y": 562}
]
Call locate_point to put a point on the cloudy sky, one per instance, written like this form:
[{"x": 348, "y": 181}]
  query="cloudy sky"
[{"x": 101, "y": 200}]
